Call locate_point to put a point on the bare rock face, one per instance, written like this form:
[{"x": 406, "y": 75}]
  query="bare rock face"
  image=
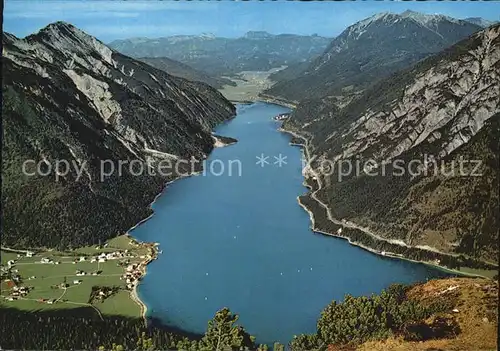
[
  {"x": 443, "y": 110},
  {"x": 461, "y": 94},
  {"x": 70, "y": 97}
]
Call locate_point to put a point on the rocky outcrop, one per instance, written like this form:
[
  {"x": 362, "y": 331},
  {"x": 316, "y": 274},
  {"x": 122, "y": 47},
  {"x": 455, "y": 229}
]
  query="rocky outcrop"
[{"x": 67, "y": 96}]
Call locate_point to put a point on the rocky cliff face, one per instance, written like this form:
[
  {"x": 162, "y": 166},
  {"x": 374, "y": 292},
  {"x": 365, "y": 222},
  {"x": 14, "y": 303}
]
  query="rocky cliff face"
[
  {"x": 369, "y": 50},
  {"x": 425, "y": 120},
  {"x": 69, "y": 97}
]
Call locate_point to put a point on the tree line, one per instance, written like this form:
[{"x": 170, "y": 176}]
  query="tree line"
[{"x": 347, "y": 323}]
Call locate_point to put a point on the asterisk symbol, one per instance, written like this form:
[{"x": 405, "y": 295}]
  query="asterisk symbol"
[
  {"x": 280, "y": 160},
  {"x": 262, "y": 160}
]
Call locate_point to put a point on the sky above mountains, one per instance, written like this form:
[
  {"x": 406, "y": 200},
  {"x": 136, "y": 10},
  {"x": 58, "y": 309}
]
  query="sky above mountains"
[{"x": 110, "y": 20}]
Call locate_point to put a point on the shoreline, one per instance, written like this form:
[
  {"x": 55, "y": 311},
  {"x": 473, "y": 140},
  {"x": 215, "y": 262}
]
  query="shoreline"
[
  {"x": 134, "y": 295},
  {"x": 378, "y": 253},
  {"x": 277, "y": 101},
  {"x": 311, "y": 193},
  {"x": 267, "y": 100}
]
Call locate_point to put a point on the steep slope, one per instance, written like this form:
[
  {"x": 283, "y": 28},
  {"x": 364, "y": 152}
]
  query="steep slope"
[
  {"x": 442, "y": 314},
  {"x": 69, "y": 97},
  {"x": 255, "y": 51},
  {"x": 182, "y": 70},
  {"x": 397, "y": 153},
  {"x": 372, "y": 49}
]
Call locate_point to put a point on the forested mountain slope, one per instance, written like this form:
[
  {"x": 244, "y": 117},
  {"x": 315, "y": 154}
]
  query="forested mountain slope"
[
  {"x": 179, "y": 69},
  {"x": 440, "y": 112},
  {"x": 67, "y": 96}
]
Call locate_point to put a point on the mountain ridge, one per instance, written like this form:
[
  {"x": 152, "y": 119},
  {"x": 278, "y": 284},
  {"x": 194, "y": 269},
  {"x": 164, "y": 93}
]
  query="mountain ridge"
[
  {"x": 67, "y": 96},
  {"x": 367, "y": 51}
]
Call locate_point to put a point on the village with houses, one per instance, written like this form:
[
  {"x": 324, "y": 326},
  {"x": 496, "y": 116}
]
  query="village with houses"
[{"x": 102, "y": 277}]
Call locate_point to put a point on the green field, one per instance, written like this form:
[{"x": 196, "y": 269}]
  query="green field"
[{"x": 44, "y": 280}]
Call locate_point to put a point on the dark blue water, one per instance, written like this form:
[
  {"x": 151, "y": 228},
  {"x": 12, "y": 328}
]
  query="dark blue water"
[{"x": 245, "y": 243}]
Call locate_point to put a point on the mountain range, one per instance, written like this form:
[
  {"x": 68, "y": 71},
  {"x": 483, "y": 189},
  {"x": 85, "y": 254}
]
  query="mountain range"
[
  {"x": 256, "y": 50},
  {"x": 67, "y": 96},
  {"x": 369, "y": 50}
]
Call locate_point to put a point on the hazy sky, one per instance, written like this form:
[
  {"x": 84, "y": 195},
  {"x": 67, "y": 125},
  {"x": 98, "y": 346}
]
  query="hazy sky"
[{"x": 109, "y": 20}]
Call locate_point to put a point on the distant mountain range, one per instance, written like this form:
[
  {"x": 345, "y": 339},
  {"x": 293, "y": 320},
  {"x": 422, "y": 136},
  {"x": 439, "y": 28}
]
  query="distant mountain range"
[
  {"x": 67, "y": 96},
  {"x": 255, "y": 51},
  {"x": 480, "y": 21},
  {"x": 369, "y": 50},
  {"x": 446, "y": 106}
]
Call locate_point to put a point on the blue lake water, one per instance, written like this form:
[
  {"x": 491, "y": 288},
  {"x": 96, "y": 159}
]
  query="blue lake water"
[{"x": 242, "y": 241}]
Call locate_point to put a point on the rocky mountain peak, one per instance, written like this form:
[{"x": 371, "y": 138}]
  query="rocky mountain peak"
[
  {"x": 371, "y": 49},
  {"x": 66, "y": 38},
  {"x": 388, "y": 19}
]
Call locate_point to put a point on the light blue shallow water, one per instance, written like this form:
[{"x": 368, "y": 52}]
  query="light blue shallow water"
[{"x": 245, "y": 243}]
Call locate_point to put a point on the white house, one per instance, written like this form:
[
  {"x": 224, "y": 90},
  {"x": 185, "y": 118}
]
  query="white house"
[
  {"x": 45, "y": 260},
  {"x": 82, "y": 259},
  {"x": 101, "y": 260},
  {"x": 76, "y": 282},
  {"x": 93, "y": 259},
  {"x": 10, "y": 262},
  {"x": 29, "y": 254}
]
